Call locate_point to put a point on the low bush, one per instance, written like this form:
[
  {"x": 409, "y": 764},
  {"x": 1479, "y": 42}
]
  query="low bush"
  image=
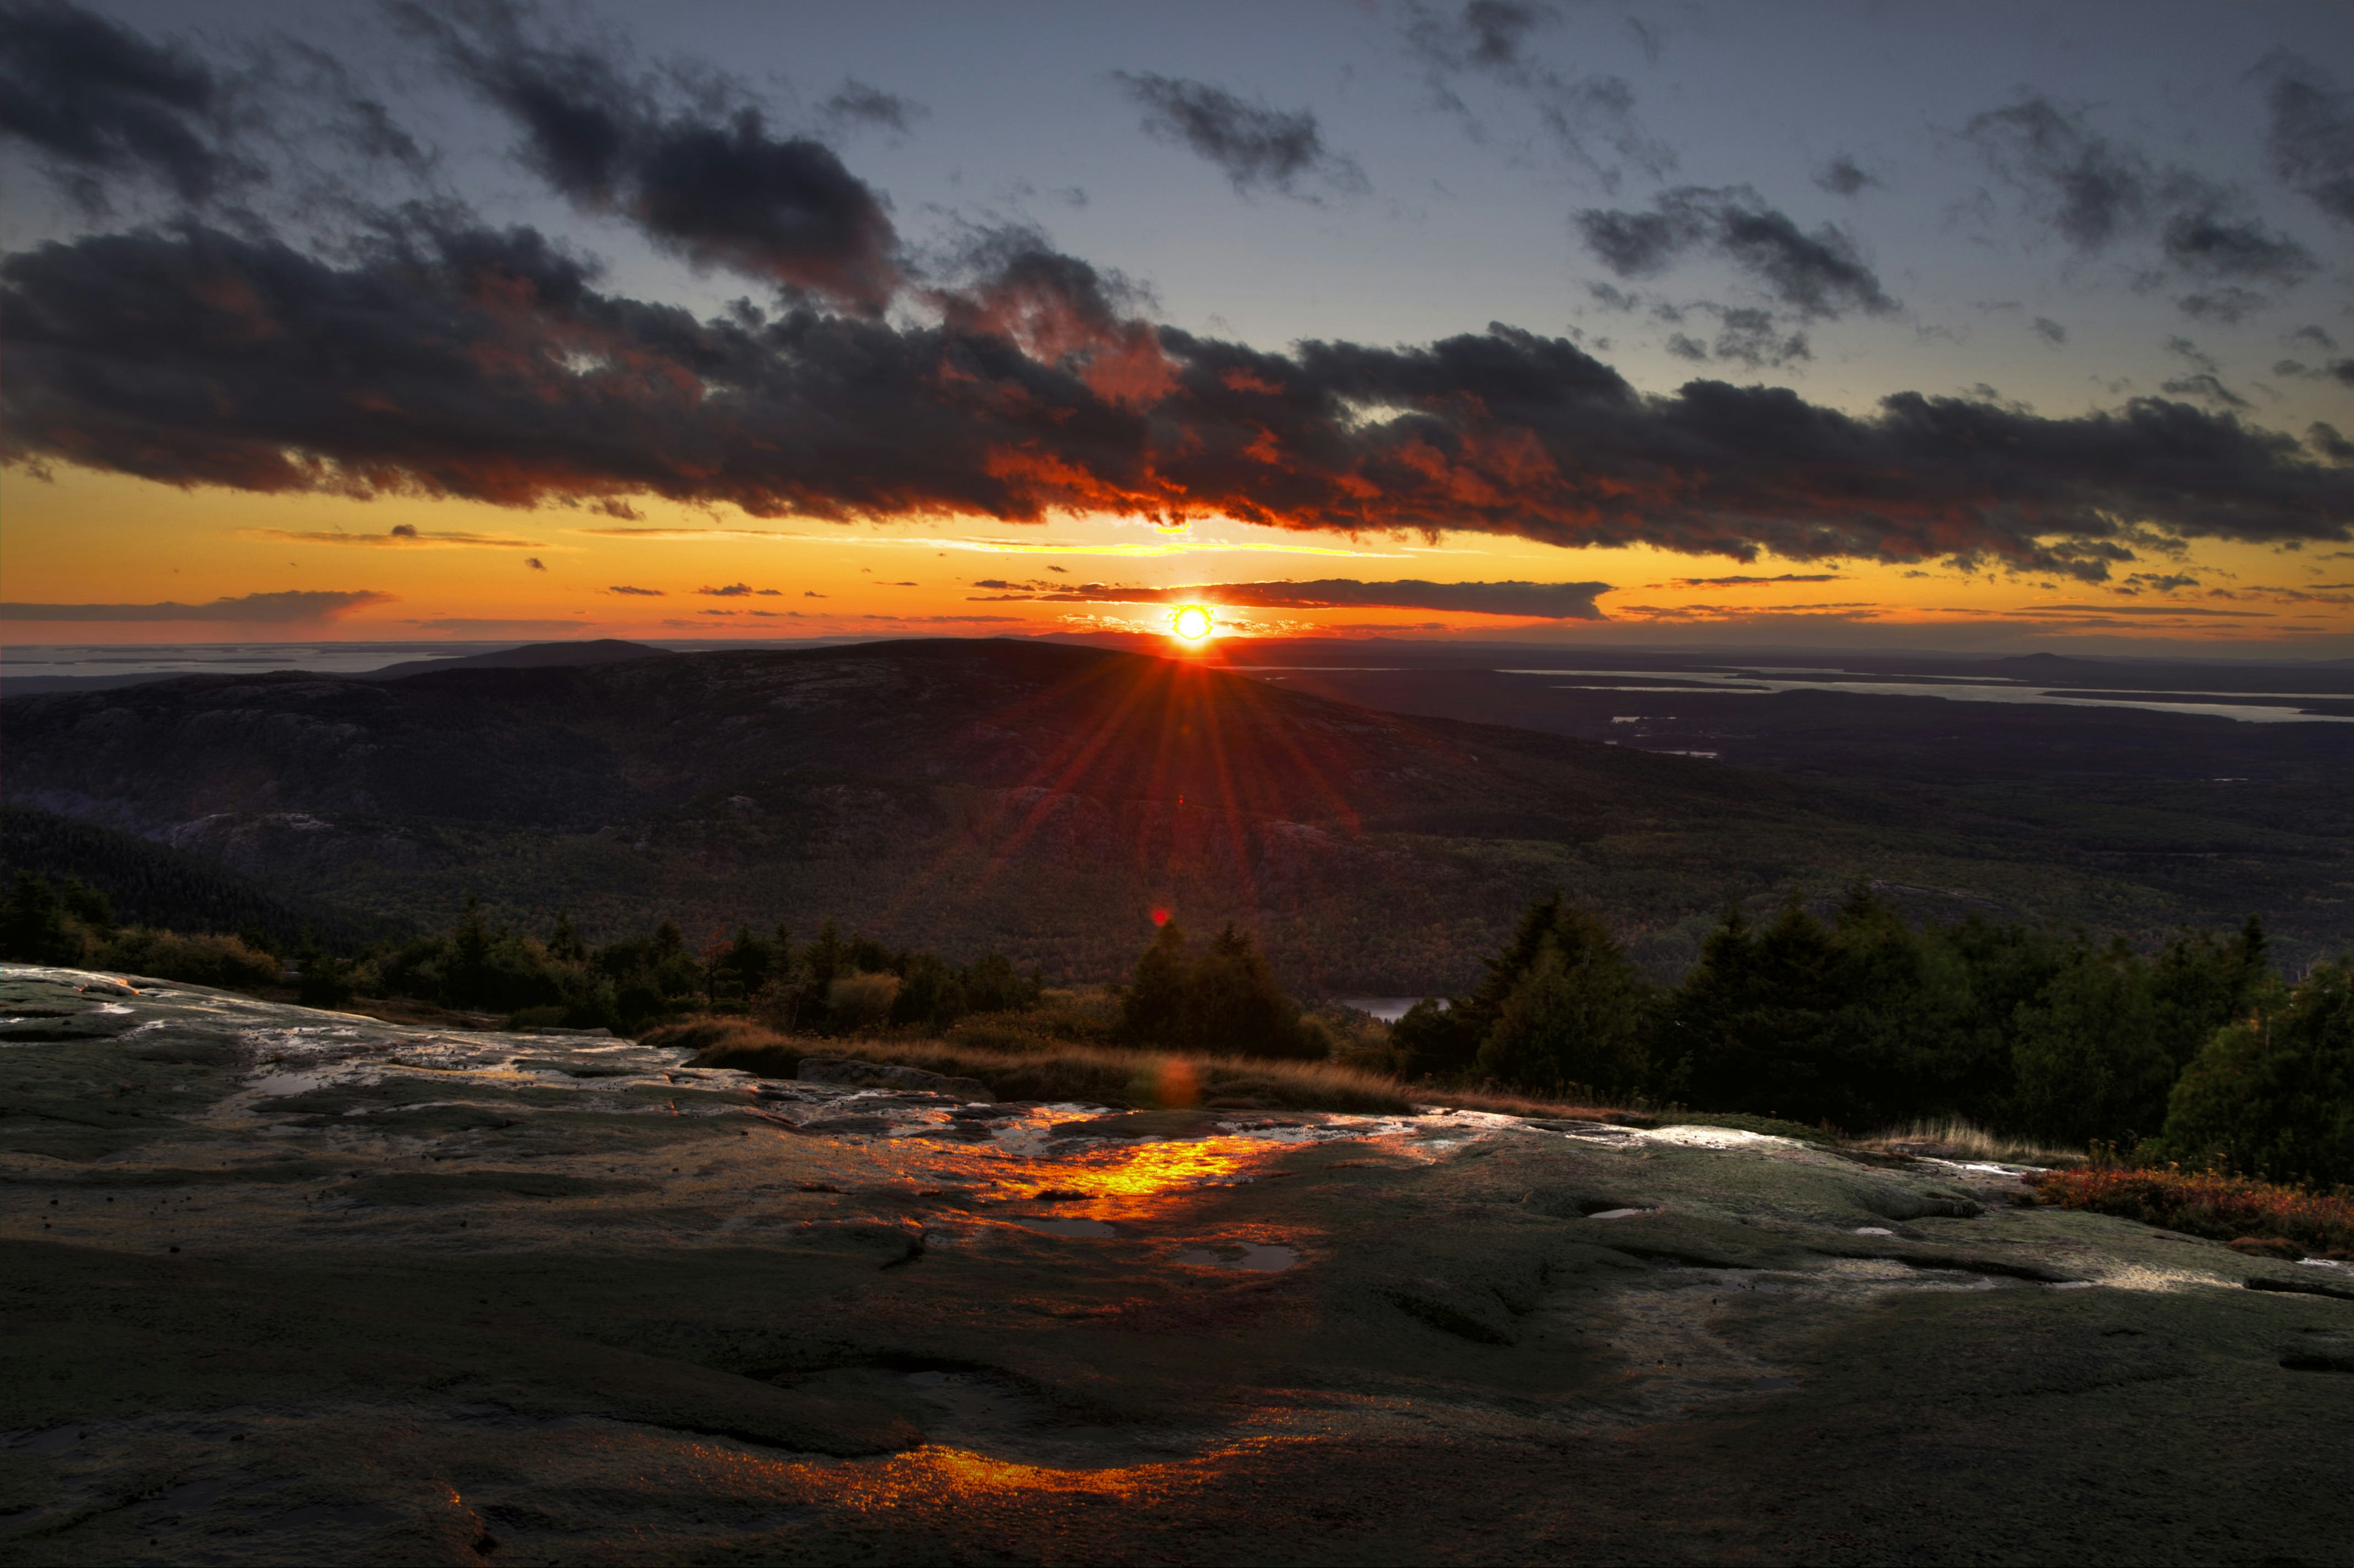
[
  {"x": 222, "y": 962},
  {"x": 2207, "y": 1204}
]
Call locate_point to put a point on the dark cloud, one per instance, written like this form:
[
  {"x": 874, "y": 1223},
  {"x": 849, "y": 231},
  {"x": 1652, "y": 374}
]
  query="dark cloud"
[
  {"x": 2095, "y": 191},
  {"x": 1011, "y": 282},
  {"x": 401, "y": 535},
  {"x": 1255, "y": 147},
  {"x": 2206, "y": 242},
  {"x": 486, "y": 364},
  {"x": 2227, "y": 304},
  {"x": 535, "y": 562},
  {"x": 733, "y": 590},
  {"x": 1747, "y": 337},
  {"x": 1586, "y": 116},
  {"x": 2312, "y": 135},
  {"x": 627, "y": 590},
  {"x": 2318, "y": 337},
  {"x": 1843, "y": 175},
  {"x": 713, "y": 185},
  {"x": 1753, "y": 582},
  {"x": 291, "y": 607},
  {"x": 2050, "y": 331},
  {"x": 856, "y": 103},
  {"x": 2091, "y": 189},
  {"x": 94, "y": 99},
  {"x": 1751, "y": 338},
  {"x": 2205, "y": 385},
  {"x": 2156, "y": 582},
  {"x": 1820, "y": 274},
  {"x": 1548, "y": 601},
  {"x": 2340, "y": 371}
]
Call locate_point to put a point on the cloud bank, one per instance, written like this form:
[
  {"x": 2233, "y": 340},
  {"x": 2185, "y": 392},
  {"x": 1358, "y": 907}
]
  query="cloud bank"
[
  {"x": 1548, "y": 601},
  {"x": 285, "y": 609},
  {"x": 484, "y": 363},
  {"x": 429, "y": 353}
]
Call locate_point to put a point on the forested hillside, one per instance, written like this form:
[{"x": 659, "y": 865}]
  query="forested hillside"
[{"x": 960, "y": 796}]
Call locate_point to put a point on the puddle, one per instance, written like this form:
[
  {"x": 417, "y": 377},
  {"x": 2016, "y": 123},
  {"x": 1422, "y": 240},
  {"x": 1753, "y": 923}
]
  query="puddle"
[
  {"x": 1263, "y": 1257},
  {"x": 272, "y": 1085},
  {"x": 1874, "y": 1231},
  {"x": 1617, "y": 1214},
  {"x": 1054, "y": 1227}
]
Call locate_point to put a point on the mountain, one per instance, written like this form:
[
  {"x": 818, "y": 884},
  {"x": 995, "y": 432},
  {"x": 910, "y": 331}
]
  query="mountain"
[
  {"x": 155, "y": 885},
  {"x": 531, "y": 656},
  {"x": 963, "y": 794}
]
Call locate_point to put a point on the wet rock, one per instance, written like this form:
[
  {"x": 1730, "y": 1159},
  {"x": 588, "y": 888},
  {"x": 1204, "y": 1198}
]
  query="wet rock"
[
  {"x": 1141, "y": 1124},
  {"x": 59, "y": 1028},
  {"x": 958, "y": 1132},
  {"x": 850, "y": 1073},
  {"x": 839, "y": 1125}
]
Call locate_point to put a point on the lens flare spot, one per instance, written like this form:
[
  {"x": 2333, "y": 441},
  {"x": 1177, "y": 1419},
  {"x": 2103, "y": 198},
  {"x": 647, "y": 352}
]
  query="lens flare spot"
[{"x": 1193, "y": 623}]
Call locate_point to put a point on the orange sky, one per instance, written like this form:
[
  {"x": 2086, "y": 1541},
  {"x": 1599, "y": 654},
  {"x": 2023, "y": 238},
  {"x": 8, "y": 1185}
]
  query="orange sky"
[{"x": 83, "y": 537}]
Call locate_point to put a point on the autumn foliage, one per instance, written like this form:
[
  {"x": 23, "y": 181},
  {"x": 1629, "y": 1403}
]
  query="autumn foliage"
[{"x": 2207, "y": 1204}]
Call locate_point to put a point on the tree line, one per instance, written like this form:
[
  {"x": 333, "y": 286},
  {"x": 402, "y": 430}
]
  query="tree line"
[
  {"x": 832, "y": 984},
  {"x": 2201, "y": 1050}
]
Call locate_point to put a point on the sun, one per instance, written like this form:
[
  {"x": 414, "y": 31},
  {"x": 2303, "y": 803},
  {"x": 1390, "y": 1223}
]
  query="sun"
[{"x": 1191, "y": 623}]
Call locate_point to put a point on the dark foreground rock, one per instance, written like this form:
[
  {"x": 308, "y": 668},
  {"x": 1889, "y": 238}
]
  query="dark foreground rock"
[{"x": 285, "y": 1286}]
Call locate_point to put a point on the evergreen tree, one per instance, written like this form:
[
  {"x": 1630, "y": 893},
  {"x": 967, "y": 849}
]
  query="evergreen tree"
[
  {"x": 2088, "y": 1058},
  {"x": 1578, "y": 1016},
  {"x": 33, "y": 926},
  {"x": 564, "y": 944},
  {"x": 2272, "y": 1095},
  {"x": 1154, "y": 1009}
]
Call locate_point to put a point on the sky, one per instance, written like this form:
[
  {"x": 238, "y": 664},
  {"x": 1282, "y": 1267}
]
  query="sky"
[{"x": 1987, "y": 327}]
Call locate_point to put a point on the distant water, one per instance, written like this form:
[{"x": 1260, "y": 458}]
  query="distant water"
[
  {"x": 156, "y": 659},
  {"x": 1388, "y": 1009},
  {"x": 84, "y": 666},
  {"x": 1736, "y": 682}
]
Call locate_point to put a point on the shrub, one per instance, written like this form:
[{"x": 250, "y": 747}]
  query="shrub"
[
  {"x": 1579, "y": 1015},
  {"x": 1222, "y": 998},
  {"x": 2207, "y": 1204},
  {"x": 2089, "y": 1062},
  {"x": 2273, "y": 1094},
  {"x": 223, "y": 961},
  {"x": 862, "y": 1001},
  {"x": 42, "y": 923},
  {"x": 1856, "y": 1023}
]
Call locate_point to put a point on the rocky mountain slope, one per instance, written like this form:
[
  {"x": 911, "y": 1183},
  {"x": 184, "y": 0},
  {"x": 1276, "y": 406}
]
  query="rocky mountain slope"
[{"x": 280, "y": 1286}]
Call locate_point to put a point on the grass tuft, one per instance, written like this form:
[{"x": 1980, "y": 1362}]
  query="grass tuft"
[{"x": 1952, "y": 1138}]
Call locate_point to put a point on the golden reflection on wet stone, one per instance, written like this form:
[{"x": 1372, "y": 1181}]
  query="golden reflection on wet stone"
[{"x": 288, "y": 1281}]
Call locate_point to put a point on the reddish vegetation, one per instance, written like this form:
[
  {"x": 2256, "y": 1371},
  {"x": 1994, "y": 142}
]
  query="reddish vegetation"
[{"x": 2209, "y": 1204}]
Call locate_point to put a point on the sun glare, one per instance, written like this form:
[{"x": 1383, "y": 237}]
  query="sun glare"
[{"x": 1191, "y": 623}]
